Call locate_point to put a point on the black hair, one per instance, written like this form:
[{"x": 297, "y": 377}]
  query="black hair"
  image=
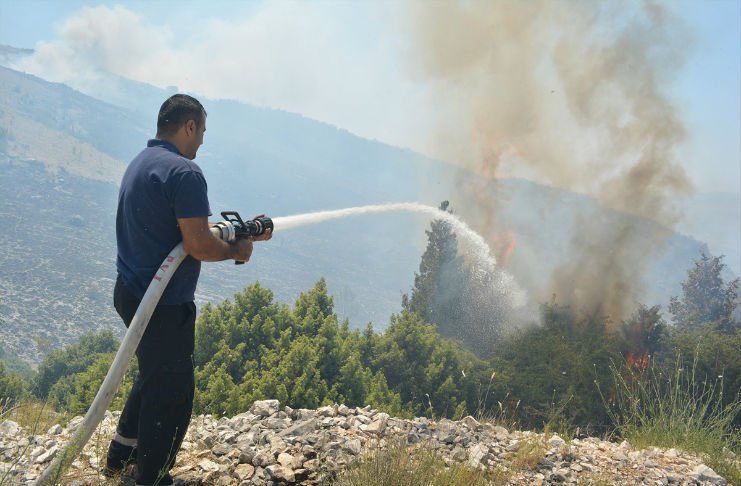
[{"x": 176, "y": 111}]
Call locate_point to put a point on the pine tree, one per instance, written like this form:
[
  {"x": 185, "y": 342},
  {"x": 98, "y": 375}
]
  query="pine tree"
[
  {"x": 707, "y": 301},
  {"x": 446, "y": 294}
]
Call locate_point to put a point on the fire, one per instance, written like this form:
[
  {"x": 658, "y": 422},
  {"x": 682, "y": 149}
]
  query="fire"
[
  {"x": 504, "y": 243},
  {"x": 637, "y": 361}
]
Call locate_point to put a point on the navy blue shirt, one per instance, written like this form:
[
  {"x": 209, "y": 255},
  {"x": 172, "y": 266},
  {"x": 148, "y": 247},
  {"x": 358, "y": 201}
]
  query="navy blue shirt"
[{"x": 159, "y": 186}]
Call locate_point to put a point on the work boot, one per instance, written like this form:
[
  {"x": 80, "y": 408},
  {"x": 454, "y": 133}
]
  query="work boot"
[{"x": 119, "y": 456}]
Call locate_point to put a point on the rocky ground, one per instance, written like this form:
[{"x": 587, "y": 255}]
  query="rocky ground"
[{"x": 270, "y": 445}]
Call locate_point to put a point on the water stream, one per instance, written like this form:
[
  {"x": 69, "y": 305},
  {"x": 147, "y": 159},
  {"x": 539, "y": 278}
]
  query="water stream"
[{"x": 478, "y": 252}]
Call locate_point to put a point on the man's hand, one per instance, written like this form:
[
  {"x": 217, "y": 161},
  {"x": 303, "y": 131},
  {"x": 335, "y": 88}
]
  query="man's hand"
[
  {"x": 201, "y": 244},
  {"x": 243, "y": 249},
  {"x": 266, "y": 235}
]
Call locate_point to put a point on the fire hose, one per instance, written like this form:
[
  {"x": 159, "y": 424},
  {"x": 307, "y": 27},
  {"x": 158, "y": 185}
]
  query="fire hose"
[{"x": 231, "y": 229}]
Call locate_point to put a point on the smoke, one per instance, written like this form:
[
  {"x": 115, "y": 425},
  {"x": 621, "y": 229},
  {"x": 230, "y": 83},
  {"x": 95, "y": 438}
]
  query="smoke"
[
  {"x": 299, "y": 56},
  {"x": 569, "y": 94}
]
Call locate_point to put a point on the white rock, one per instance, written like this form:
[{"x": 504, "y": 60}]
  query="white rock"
[
  {"x": 265, "y": 408},
  {"x": 8, "y": 427},
  {"x": 54, "y": 430},
  {"x": 701, "y": 472},
  {"x": 208, "y": 465},
  {"x": 477, "y": 455}
]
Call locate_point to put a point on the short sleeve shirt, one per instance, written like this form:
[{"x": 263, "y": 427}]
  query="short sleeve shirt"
[{"x": 159, "y": 186}]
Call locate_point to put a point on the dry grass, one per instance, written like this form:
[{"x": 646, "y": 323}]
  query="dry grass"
[{"x": 400, "y": 465}]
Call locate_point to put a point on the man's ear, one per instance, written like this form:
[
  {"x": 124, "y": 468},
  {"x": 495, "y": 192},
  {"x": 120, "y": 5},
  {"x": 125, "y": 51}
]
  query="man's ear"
[{"x": 190, "y": 127}]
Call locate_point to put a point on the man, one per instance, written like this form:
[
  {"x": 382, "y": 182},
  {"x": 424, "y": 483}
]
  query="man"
[{"x": 162, "y": 201}]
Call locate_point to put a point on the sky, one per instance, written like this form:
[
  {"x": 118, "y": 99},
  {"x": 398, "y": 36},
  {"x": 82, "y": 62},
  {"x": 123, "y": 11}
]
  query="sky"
[{"x": 392, "y": 71}]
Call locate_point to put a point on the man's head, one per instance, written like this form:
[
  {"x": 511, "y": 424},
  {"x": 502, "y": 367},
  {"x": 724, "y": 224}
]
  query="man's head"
[{"x": 182, "y": 121}]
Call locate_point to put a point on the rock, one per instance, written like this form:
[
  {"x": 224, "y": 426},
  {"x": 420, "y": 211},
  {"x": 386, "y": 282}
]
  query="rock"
[
  {"x": 302, "y": 428},
  {"x": 703, "y": 473},
  {"x": 265, "y": 408},
  {"x": 556, "y": 442},
  {"x": 220, "y": 449},
  {"x": 477, "y": 455},
  {"x": 208, "y": 465},
  {"x": 46, "y": 456},
  {"x": 280, "y": 473},
  {"x": 9, "y": 428},
  {"x": 378, "y": 425},
  {"x": 54, "y": 430},
  {"x": 353, "y": 446},
  {"x": 244, "y": 472},
  {"x": 470, "y": 422}
]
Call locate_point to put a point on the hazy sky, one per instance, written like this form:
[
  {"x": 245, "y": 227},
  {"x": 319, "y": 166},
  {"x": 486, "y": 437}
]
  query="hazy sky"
[{"x": 355, "y": 65}]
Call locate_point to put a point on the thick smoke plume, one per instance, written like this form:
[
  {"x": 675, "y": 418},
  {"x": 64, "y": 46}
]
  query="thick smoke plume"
[{"x": 569, "y": 94}]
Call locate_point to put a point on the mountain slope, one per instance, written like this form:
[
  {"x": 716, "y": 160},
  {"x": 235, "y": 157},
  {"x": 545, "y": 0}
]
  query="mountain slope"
[{"x": 62, "y": 152}]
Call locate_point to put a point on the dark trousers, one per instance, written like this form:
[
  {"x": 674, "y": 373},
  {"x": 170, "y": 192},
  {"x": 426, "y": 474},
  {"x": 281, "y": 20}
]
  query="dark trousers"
[{"x": 157, "y": 412}]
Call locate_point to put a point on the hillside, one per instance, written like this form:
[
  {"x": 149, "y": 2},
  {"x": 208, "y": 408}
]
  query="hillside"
[
  {"x": 62, "y": 152},
  {"x": 274, "y": 445}
]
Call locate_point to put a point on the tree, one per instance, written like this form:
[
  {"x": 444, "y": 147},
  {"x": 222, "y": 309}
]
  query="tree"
[
  {"x": 12, "y": 386},
  {"x": 551, "y": 369},
  {"x": 447, "y": 294},
  {"x": 707, "y": 301},
  {"x": 71, "y": 359}
]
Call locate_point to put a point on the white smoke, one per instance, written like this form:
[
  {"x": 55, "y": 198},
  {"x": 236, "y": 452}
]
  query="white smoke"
[{"x": 301, "y": 57}]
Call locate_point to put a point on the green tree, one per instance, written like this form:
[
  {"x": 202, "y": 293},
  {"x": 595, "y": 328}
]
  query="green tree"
[
  {"x": 447, "y": 294},
  {"x": 75, "y": 392},
  {"x": 706, "y": 299},
  {"x": 12, "y": 385},
  {"x": 71, "y": 359},
  {"x": 551, "y": 369}
]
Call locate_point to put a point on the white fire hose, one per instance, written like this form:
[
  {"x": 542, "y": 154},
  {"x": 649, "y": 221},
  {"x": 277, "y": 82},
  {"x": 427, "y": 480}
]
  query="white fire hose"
[{"x": 53, "y": 473}]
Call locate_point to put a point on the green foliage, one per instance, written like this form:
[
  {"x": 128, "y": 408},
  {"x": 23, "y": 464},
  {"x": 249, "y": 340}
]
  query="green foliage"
[
  {"x": 252, "y": 349},
  {"x": 706, "y": 299},
  {"x": 75, "y": 392},
  {"x": 12, "y": 385},
  {"x": 716, "y": 360},
  {"x": 14, "y": 363},
  {"x": 676, "y": 408},
  {"x": 70, "y": 360},
  {"x": 549, "y": 371}
]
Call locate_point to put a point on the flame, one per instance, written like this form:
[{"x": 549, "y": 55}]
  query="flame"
[
  {"x": 504, "y": 244},
  {"x": 638, "y": 361}
]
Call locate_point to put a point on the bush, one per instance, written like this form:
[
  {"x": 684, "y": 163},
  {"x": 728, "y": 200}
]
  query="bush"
[{"x": 676, "y": 409}]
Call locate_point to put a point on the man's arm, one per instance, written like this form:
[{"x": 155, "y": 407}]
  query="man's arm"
[{"x": 201, "y": 244}]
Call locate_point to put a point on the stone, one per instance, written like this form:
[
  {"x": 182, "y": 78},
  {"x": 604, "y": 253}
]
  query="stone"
[
  {"x": 477, "y": 455},
  {"x": 556, "y": 442},
  {"x": 46, "y": 456},
  {"x": 9, "y": 428},
  {"x": 244, "y": 471},
  {"x": 703, "y": 473},
  {"x": 265, "y": 408},
  {"x": 353, "y": 446},
  {"x": 208, "y": 465},
  {"x": 280, "y": 473},
  {"x": 54, "y": 430},
  {"x": 470, "y": 422}
]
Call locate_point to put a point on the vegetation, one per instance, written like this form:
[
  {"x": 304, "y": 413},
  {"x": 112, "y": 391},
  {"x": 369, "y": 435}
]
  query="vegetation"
[
  {"x": 399, "y": 465},
  {"x": 682, "y": 409},
  {"x": 574, "y": 372},
  {"x": 446, "y": 294}
]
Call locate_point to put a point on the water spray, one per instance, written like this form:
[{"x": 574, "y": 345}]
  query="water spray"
[{"x": 232, "y": 228}]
